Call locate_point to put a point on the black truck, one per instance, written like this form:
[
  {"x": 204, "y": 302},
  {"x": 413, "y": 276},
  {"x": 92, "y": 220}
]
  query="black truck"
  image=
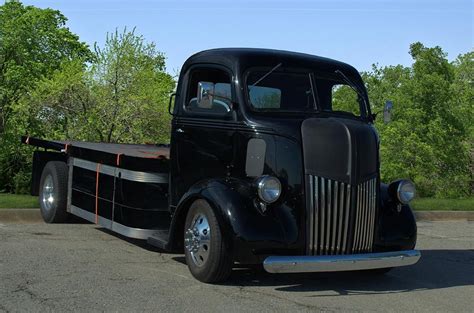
[{"x": 265, "y": 166}]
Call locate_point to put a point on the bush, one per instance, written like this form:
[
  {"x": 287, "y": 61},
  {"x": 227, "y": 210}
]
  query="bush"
[{"x": 22, "y": 182}]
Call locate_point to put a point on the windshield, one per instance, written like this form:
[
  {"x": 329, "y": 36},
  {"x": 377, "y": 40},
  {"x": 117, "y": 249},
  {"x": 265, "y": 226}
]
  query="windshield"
[{"x": 298, "y": 90}]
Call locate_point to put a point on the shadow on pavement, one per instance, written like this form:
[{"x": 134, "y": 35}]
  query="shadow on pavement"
[
  {"x": 436, "y": 269},
  {"x": 137, "y": 242}
]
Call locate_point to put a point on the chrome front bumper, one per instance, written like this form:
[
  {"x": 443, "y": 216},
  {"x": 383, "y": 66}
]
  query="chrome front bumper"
[{"x": 336, "y": 263}]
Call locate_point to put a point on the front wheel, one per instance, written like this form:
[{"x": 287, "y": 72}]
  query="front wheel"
[{"x": 208, "y": 253}]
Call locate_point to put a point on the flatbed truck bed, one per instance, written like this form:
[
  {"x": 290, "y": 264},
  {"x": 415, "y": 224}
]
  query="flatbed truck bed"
[
  {"x": 122, "y": 187},
  {"x": 147, "y": 151}
]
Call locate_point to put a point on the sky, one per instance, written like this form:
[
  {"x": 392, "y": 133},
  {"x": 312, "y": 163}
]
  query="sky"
[{"x": 359, "y": 32}]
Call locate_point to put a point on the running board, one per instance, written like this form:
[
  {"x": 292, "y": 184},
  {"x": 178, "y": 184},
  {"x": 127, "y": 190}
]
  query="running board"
[
  {"x": 131, "y": 232},
  {"x": 160, "y": 239}
]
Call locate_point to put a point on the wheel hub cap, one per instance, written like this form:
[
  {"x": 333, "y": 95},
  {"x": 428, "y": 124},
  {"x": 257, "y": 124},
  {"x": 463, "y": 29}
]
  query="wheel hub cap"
[
  {"x": 197, "y": 239},
  {"x": 48, "y": 196}
]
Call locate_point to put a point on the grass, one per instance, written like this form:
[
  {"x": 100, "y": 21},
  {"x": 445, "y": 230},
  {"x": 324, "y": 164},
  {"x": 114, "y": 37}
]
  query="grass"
[
  {"x": 432, "y": 204},
  {"x": 9, "y": 201}
]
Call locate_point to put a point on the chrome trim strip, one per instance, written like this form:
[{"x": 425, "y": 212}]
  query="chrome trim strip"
[
  {"x": 311, "y": 211},
  {"x": 356, "y": 228},
  {"x": 136, "y": 233},
  {"x": 69, "y": 183},
  {"x": 372, "y": 216},
  {"x": 346, "y": 219},
  {"x": 369, "y": 215},
  {"x": 364, "y": 217},
  {"x": 329, "y": 212},
  {"x": 335, "y": 215},
  {"x": 361, "y": 221},
  {"x": 143, "y": 177},
  {"x": 342, "y": 196},
  {"x": 359, "y": 218},
  {"x": 316, "y": 214},
  {"x": 323, "y": 219},
  {"x": 335, "y": 263},
  {"x": 341, "y": 218}
]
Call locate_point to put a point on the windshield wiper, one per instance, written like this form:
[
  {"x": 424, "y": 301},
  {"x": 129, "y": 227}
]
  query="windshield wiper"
[{"x": 265, "y": 76}]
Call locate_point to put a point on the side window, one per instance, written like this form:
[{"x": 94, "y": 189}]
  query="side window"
[
  {"x": 222, "y": 97},
  {"x": 344, "y": 99},
  {"x": 265, "y": 97}
]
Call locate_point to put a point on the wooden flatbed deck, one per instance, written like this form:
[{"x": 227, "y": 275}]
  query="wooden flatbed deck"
[
  {"x": 133, "y": 150},
  {"x": 144, "y": 157}
]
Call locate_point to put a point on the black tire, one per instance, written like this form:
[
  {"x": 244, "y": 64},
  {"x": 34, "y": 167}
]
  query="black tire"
[
  {"x": 55, "y": 174},
  {"x": 217, "y": 266}
]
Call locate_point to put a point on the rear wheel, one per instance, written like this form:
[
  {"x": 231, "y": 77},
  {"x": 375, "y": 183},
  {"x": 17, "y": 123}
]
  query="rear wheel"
[
  {"x": 207, "y": 252},
  {"x": 53, "y": 192}
]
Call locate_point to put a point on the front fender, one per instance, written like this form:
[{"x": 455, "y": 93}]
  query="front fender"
[
  {"x": 395, "y": 230},
  {"x": 251, "y": 233}
]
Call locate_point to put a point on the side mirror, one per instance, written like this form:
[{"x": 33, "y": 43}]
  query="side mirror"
[
  {"x": 205, "y": 95},
  {"x": 170, "y": 104},
  {"x": 387, "y": 112}
]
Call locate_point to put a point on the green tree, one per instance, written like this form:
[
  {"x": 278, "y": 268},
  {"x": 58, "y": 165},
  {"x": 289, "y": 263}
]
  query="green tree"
[
  {"x": 345, "y": 99},
  {"x": 121, "y": 96},
  {"x": 60, "y": 106},
  {"x": 131, "y": 89},
  {"x": 427, "y": 139},
  {"x": 463, "y": 89},
  {"x": 33, "y": 44}
]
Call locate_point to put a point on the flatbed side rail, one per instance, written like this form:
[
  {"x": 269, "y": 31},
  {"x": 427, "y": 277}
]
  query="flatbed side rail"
[
  {"x": 41, "y": 143},
  {"x": 146, "y": 162}
]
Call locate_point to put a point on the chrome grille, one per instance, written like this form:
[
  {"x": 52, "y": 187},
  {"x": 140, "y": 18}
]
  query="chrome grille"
[
  {"x": 341, "y": 216},
  {"x": 365, "y": 215}
]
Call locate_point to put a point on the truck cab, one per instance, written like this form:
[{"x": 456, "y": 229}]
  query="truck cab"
[{"x": 268, "y": 164}]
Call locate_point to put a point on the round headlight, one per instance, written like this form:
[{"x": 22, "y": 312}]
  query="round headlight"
[
  {"x": 269, "y": 188},
  {"x": 405, "y": 191}
]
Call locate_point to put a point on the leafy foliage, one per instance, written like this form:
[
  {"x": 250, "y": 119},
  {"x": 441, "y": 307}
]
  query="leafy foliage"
[
  {"x": 119, "y": 97},
  {"x": 33, "y": 44},
  {"x": 430, "y": 136},
  {"x": 345, "y": 99},
  {"x": 53, "y": 86}
]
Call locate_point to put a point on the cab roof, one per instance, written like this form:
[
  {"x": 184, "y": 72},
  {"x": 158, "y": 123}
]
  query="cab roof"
[{"x": 240, "y": 59}]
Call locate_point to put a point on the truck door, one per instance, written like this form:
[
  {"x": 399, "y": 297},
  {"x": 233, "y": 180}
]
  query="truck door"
[{"x": 202, "y": 135}]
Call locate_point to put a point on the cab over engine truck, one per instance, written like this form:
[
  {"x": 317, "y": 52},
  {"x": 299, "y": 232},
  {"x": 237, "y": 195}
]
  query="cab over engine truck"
[{"x": 267, "y": 165}]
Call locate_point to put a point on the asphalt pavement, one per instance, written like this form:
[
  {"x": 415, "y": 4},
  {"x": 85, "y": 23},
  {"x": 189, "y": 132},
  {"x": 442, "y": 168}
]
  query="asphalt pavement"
[{"x": 81, "y": 267}]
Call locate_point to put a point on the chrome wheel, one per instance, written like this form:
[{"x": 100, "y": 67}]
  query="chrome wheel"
[
  {"x": 48, "y": 196},
  {"x": 197, "y": 239}
]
